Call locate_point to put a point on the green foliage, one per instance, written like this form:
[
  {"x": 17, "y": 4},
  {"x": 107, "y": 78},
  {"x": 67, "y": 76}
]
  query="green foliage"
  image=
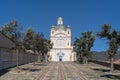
[
  {"x": 105, "y": 32},
  {"x": 113, "y": 48},
  {"x": 36, "y": 41},
  {"x": 84, "y": 44},
  {"x": 31, "y": 41},
  {"x": 87, "y": 43},
  {"x": 13, "y": 31},
  {"x": 28, "y": 40},
  {"x": 113, "y": 36},
  {"x": 114, "y": 41},
  {"x": 39, "y": 42}
]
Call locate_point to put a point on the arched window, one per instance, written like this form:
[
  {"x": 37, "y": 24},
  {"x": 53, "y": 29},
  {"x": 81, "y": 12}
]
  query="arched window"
[
  {"x": 60, "y": 43},
  {"x": 68, "y": 43},
  {"x": 68, "y": 32},
  {"x": 52, "y": 32}
]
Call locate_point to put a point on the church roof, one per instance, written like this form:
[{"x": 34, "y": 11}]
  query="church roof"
[{"x": 60, "y": 25}]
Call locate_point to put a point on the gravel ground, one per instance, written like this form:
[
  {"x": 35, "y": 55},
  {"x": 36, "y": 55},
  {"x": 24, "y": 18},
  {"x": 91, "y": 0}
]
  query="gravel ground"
[
  {"x": 98, "y": 72},
  {"x": 26, "y": 72},
  {"x": 91, "y": 71}
]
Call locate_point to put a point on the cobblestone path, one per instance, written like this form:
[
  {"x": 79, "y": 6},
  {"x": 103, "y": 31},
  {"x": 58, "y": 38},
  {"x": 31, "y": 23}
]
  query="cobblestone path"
[
  {"x": 50, "y": 71},
  {"x": 61, "y": 71}
]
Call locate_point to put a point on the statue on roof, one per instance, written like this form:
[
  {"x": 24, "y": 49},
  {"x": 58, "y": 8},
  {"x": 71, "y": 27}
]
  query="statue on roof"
[{"x": 60, "y": 22}]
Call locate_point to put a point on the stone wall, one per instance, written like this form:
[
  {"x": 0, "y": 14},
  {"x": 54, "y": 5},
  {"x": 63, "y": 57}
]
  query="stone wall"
[
  {"x": 102, "y": 56},
  {"x": 8, "y": 58}
]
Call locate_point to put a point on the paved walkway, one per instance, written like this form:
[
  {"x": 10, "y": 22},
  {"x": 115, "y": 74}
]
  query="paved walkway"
[{"x": 55, "y": 71}]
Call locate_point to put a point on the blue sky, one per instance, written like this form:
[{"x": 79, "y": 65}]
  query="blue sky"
[{"x": 81, "y": 15}]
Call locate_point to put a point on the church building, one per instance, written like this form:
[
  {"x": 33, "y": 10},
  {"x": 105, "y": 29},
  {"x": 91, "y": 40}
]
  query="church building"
[{"x": 60, "y": 37}]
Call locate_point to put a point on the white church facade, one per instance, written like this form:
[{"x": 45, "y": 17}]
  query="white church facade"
[{"x": 60, "y": 37}]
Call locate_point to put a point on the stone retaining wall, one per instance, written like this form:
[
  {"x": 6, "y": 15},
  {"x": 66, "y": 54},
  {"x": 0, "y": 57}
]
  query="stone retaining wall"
[
  {"x": 8, "y": 58},
  {"x": 106, "y": 64}
]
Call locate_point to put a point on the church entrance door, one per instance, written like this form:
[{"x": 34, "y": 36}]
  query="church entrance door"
[{"x": 60, "y": 58}]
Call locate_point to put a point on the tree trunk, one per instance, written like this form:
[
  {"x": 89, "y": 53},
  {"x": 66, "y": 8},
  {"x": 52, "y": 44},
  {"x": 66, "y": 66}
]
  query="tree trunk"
[
  {"x": 38, "y": 59},
  {"x": 81, "y": 59},
  {"x": 34, "y": 59},
  {"x": 17, "y": 62},
  {"x": 46, "y": 58},
  {"x": 85, "y": 60},
  {"x": 111, "y": 64}
]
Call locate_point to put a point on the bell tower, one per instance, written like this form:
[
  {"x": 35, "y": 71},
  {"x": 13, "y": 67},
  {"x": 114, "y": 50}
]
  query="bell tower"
[{"x": 60, "y": 22}]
